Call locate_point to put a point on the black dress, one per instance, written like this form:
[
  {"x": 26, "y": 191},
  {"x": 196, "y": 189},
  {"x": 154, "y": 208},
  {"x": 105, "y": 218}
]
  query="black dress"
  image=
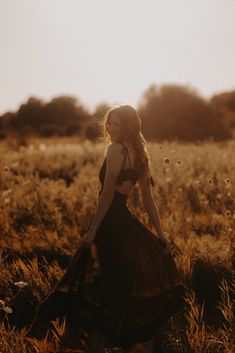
[{"x": 125, "y": 286}]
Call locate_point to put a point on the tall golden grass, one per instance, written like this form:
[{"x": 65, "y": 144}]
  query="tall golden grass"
[{"x": 48, "y": 193}]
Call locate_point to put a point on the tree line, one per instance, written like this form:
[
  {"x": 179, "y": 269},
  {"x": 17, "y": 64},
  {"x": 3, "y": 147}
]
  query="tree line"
[{"x": 168, "y": 111}]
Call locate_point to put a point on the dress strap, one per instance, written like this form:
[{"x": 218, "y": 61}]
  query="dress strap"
[
  {"x": 124, "y": 159},
  {"x": 128, "y": 157},
  {"x": 126, "y": 154},
  {"x": 151, "y": 180}
]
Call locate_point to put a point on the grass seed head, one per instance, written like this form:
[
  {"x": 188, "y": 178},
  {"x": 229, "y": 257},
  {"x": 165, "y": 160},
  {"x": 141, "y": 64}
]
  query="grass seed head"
[
  {"x": 21, "y": 284},
  {"x": 8, "y": 310},
  {"x": 166, "y": 160}
]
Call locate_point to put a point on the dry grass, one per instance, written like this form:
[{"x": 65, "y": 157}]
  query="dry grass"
[{"x": 48, "y": 192}]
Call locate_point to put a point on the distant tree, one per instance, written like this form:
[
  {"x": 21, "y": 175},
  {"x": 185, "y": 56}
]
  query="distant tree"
[
  {"x": 94, "y": 128},
  {"x": 66, "y": 114},
  {"x": 64, "y": 109},
  {"x": 62, "y": 115},
  {"x": 71, "y": 129},
  {"x": 48, "y": 130},
  {"x": 29, "y": 114},
  {"x": 179, "y": 113},
  {"x": 2, "y": 129},
  {"x": 100, "y": 110},
  {"x": 6, "y": 121},
  {"x": 224, "y": 104}
]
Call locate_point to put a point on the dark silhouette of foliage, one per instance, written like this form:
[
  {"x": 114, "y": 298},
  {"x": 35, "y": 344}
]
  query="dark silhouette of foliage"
[
  {"x": 100, "y": 110},
  {"x": 29, "y": 114},
  {"x": 179, "y": 113},
  {"x": 5, "y": 120},
  {"x": 224, "y": 104},
  {"x": 94, "y": 129},
  {"x": 168, "y": 111},
  {"x": 63, "y": 110},
  {"x": 48, "y": 130},
  {"x": 61, "y": 116}
]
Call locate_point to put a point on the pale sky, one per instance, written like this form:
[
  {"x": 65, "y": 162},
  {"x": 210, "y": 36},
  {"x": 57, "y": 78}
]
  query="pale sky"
[{"x": 113, "y": 50}]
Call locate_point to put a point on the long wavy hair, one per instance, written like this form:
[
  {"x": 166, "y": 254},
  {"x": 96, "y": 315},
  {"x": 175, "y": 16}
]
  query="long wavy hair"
[{"x": 130, "y": 131}]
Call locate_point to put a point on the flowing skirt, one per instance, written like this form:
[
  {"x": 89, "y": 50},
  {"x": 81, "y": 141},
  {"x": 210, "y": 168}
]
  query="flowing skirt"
[{"x": 125, "y": 286}]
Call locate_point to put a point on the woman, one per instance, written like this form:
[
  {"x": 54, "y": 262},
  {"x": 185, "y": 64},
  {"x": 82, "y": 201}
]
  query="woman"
[{"x": 122, "y": 283}]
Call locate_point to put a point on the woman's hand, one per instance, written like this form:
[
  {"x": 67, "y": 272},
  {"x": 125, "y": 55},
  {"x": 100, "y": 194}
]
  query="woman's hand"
[{"x": 88, "y": 238}]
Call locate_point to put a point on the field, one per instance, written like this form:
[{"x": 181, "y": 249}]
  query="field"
[{"x": 48, "y": 192}]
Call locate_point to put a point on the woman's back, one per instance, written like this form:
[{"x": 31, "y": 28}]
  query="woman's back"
[{"x": 128, "y": 176}]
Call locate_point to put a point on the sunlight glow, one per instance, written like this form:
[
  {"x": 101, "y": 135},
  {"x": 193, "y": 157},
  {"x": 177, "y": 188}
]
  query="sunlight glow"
[{"x": 112, "y": 51}]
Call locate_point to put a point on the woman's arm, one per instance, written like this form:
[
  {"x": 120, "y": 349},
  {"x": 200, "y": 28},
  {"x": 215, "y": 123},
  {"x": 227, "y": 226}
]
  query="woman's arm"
[
  {"x": 113, "y": 166},
  {"x": 152, "y": 210},
  {"x": 150, "y": 204}
]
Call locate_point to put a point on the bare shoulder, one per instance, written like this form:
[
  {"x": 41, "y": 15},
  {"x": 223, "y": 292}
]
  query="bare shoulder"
[{"x": 114, "y": 159}]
